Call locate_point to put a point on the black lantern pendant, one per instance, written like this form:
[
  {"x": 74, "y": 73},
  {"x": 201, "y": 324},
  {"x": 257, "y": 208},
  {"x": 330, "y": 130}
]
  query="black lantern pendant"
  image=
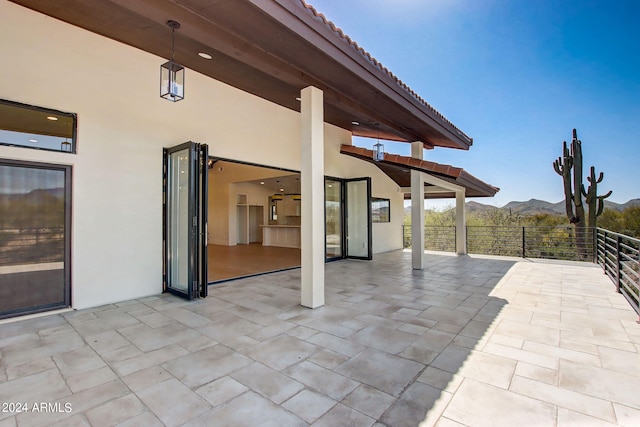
[
  {"x": 378, "y": 149},
  {"x": 172, "y": 73}
]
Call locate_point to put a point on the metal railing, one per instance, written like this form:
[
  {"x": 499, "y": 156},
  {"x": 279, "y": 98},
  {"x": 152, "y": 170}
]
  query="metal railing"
[
  {"x": 436, "y": 238},
  {"x": 619, "y": 256},
  {"x": 31, "y": 246},
  {"x": 560, "y": 243}
]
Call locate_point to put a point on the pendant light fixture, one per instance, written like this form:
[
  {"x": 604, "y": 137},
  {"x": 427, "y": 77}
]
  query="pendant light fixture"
[
  {"x": 278, "y": 196},
  {"x": 378, "y": 148},
  {"x": 65, "y": 146},
  {"x": 172, "y": 73}
]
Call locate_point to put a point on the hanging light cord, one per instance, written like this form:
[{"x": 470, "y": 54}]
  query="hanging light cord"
[
  {"x": 174, "y": 26},
  {"x": 173, "y": 43}
]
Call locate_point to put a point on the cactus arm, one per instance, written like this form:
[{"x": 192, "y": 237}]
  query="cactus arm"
[{"x": 557, "y": 166}]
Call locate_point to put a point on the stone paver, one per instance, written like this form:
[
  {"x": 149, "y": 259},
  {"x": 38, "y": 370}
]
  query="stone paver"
[{"x": 469, "y": 341}]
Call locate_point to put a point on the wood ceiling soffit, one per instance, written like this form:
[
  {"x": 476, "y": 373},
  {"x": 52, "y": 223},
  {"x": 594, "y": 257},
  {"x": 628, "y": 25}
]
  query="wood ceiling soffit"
[
  {"x": 292, "y": 54},
  {"x": 284, "y": 72}
]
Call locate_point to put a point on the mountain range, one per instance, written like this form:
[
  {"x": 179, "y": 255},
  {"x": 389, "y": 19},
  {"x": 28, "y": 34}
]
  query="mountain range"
[{"x": 535, "y": 206}]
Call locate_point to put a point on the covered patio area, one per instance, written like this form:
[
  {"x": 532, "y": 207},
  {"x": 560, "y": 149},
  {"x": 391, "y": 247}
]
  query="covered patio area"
[{"x": 469, "y": 340}]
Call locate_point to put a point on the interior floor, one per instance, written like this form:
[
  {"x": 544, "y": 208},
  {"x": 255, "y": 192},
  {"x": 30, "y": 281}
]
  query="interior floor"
[{"x": 227, "y": 262}]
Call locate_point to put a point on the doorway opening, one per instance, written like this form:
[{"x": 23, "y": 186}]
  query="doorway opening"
[{"x": 254, "y": 220}]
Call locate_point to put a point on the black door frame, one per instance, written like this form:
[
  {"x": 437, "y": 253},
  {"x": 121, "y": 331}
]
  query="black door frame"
[
  {"x": 345, "y": 215},
  {"x": 197, "y": 212},
  {"x": 66, "y": 302}
]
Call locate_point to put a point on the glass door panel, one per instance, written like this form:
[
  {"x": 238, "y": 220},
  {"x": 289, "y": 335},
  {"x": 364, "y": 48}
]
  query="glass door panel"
[
  {"x": 35, "y": 247},
  {"x": 179, "y": 220},
  {"x": 358, "y": 218},
  {"x": 333, "y": 219},
  {"x": 186, "y": 220}
]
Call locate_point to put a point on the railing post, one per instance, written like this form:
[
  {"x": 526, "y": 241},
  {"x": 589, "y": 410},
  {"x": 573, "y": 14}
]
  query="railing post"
[
  {"x": 524, "y": 246},
  {"x": 604, "y": 251},
  {"x": 594, "y": 238},
  {"x": 618, "y": 263},
  {"x": 455, "y": 240}
]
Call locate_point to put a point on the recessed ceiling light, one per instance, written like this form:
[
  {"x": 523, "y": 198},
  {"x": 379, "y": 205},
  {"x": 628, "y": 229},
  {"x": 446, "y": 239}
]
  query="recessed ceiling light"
[
  {"x": 355, "y": 123},
  {"x": 52, "y": 118},
  {"x": 33, "y": 140},
  {"x": 204, "y": 55},
  {"x": 261, "y": 182}
]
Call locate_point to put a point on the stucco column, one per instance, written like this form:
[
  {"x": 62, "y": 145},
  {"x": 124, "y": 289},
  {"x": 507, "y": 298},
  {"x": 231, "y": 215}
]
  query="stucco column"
[
  {"x": 461, "y": 224},
  {"x": 312, "y": 183},
  {"x": 417, "y": 211}
]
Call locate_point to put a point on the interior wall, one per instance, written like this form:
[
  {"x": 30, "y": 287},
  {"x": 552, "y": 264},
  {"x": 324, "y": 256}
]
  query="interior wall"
[{"x": 226, "y": 181}]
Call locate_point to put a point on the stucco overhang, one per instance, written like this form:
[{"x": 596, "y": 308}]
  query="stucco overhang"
[
  {"x": 398, "y": 168},
  {"x": 272, "y": 49}
]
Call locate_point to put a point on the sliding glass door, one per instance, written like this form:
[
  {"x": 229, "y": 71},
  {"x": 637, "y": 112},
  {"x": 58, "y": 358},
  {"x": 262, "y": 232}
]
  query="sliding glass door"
[{"x": 185, "y": 220}]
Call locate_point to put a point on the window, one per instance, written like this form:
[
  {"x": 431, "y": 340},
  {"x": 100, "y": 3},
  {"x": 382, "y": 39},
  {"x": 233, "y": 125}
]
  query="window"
[
  {"x": 380, "y": 210},
  {"x": 39, "y": 128}
]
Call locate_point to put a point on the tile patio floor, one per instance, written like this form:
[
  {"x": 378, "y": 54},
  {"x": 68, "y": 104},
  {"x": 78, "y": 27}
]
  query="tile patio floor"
[{"x": 468, "y": 341}]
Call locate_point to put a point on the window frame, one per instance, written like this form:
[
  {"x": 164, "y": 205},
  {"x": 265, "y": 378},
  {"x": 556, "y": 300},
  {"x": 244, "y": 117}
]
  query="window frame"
[
  {"x": 50, "y": 111},
  {"x": 377, "y": 218}
]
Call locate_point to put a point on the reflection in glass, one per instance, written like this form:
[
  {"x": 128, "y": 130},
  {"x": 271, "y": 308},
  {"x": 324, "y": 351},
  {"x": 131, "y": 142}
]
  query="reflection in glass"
[
  {"x": 179, "y": 227},
  {"x": 35, "y": 127},
  {"x": 333, "y": 218},
  {"x": 380, "y": 210},
  {"x": 357, "y": 219}
]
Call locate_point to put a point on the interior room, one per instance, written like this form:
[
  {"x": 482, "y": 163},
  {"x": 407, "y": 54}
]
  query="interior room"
[{"x": 254, "y": 220}]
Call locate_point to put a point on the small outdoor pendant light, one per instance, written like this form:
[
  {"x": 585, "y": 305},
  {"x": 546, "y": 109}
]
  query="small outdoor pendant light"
[
  {"x": 65, "y": 146},
  {"x": 378, "y": 148},
  {"x": 172, "y": 73}
]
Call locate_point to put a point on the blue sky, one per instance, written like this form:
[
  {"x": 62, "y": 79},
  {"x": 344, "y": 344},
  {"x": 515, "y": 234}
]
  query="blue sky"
[{"x": 517, "y": 76}]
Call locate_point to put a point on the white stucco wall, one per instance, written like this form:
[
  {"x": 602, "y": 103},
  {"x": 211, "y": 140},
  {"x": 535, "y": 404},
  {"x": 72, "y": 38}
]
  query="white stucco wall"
[{"x": 123, "y": 125}]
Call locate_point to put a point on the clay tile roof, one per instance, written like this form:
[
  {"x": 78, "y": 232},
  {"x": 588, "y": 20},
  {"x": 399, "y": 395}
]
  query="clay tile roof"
[
  {"x": 338, "y": 32},
  {"x": 395, "y": 165}
]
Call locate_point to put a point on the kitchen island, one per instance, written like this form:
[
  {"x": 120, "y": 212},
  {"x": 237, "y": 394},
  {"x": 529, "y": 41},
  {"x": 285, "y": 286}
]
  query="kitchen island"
[{"x": 285, "y": 236}]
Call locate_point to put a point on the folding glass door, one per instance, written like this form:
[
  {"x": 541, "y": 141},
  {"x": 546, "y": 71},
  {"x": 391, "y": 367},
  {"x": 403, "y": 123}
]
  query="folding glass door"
[
  {"x": 185, "y": 220},
  {"x": 333, "y": 216},
  {"x": 358, "y": 218},
  {"x": 348, "y": 232}
]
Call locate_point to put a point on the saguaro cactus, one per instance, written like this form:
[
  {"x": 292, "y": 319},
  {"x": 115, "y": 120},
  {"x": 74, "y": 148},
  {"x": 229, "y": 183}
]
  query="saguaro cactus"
[
  {"x": 595, "y": 202},
  {"x": 571, "y": 161}
]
